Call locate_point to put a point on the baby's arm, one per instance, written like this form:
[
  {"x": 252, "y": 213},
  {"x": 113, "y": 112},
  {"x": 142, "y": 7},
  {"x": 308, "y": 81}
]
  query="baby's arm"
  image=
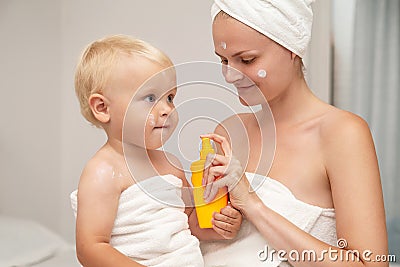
[{"x": 98, "y": 196}]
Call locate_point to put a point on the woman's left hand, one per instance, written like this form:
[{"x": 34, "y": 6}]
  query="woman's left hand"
[
  {"x": 221, "y": 170},
  {"x": 225, "y": 170}
]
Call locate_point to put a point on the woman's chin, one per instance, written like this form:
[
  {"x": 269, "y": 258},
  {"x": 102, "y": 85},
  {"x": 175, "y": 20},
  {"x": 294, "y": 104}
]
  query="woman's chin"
[{"x": 249, "y": 101}]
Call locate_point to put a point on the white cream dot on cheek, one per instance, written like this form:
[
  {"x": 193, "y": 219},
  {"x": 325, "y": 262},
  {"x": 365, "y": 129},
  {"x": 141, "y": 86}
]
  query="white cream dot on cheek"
[
  {"x": 151, "y": 121},
  {"x": 223, "y": 45},
  {"x": 262, "y": 73}
]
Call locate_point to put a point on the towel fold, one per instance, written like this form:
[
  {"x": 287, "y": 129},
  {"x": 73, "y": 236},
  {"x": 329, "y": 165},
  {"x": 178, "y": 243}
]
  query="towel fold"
[
  {"x": 249, "y": 247},
  {"x": 151, "y": 226},
  {"x": 287, "y": 22}
]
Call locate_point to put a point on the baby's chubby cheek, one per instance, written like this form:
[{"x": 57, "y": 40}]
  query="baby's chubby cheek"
[{"x": 150, "y": 120}]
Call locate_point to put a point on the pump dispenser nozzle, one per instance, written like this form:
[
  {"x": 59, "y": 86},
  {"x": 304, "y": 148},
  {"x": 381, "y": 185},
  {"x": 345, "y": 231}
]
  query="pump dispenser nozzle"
[{"x": 206, "y": 148}]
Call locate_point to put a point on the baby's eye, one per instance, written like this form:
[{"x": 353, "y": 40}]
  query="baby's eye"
[
  {"x": 170, "y": 98},
  {"x": 224, "y": 61},
  {"x": 150, "y": 98},
  {"x": 247, "y": 61}
]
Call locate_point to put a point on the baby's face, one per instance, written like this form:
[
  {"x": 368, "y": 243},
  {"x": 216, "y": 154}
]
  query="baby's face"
[{"x": 151, "y": 117}]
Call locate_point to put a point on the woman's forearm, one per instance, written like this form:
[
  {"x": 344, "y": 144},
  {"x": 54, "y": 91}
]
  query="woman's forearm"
[{"x": 293, "y": 244}]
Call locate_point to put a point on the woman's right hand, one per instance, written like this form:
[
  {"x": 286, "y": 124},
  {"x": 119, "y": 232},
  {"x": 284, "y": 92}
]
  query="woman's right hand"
[{"x": 225, "y": 170}]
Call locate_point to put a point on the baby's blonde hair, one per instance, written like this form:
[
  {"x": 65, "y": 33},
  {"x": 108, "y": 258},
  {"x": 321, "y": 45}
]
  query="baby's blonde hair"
[{"x": 98, "y": 60}]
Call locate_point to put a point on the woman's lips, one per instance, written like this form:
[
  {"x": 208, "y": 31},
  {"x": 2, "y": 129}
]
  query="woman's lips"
[{"x": 241, "y": 87}]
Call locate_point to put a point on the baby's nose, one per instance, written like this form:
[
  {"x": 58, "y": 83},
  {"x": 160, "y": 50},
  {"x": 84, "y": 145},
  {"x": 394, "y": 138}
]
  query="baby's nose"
[{"x": 163, "y": 108}]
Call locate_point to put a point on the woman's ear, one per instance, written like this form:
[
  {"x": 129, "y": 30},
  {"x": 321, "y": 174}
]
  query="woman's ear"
[{"x": 100, "y": 108}]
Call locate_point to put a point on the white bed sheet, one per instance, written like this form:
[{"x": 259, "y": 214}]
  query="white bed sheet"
[
  {"x": 27, "y": 243},
  {"x": 63, "y": 258}
]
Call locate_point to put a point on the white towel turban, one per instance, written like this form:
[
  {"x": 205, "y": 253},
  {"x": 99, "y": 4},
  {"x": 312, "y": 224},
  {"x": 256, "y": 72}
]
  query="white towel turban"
[{"x": 287, "y": 22}]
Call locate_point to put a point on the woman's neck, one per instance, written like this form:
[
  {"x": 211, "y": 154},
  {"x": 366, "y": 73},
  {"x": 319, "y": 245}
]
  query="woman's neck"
[{"x": 293, "y": 105}]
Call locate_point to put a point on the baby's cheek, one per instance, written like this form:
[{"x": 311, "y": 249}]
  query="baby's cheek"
[
  {"x": 150, "y": 120},
  {"x": 172, "y": 121}
]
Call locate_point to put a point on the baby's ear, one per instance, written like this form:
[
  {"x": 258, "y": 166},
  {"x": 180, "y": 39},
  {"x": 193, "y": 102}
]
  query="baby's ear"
[
  {"x": 293, "y": 56},
  {"x": 99, "y": 106}
]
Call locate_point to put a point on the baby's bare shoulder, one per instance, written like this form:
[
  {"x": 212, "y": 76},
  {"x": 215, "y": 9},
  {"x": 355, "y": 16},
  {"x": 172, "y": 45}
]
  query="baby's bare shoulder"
[{"x": 99, "y": 174}]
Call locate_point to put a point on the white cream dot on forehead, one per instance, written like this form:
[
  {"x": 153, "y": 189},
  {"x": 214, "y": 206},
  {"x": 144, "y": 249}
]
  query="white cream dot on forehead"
[
  {"x": 223, "y": 45},
  {"x": 262, "y": 73}
]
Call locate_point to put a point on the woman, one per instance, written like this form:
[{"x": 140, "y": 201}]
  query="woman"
[{"x": 322, "y": 203}]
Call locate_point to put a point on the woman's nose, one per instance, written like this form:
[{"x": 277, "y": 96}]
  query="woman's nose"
[{"x": 231, "y": 75}]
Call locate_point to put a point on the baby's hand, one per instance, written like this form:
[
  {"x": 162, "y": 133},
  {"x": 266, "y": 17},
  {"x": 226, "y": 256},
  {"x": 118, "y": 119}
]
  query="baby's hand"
[{"x": 227, "y": 223}]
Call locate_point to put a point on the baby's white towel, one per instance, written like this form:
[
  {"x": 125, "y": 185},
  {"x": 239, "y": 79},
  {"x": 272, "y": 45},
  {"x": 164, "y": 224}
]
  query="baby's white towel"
[
  {"x": 151, "y": 226},
  {"x": 249, "y": 248}
]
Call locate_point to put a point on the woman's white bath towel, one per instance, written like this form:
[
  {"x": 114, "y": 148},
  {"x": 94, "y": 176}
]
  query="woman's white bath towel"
[
  {"x": 151, "y": 226},
  {"x": 249, "y": 248}
]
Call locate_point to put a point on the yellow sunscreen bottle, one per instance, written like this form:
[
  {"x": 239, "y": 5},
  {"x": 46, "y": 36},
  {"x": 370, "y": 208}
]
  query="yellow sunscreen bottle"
[{"x": 205, "y": 210}]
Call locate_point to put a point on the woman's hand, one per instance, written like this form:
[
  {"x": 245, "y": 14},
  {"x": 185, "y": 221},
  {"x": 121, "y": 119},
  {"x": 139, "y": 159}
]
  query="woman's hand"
[
  {"x": 225, "y": 170},
  {"x": 227, "y": 222}
]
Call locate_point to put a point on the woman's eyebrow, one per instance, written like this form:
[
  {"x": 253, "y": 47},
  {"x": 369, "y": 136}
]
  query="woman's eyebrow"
[
  {"x": 217, "y": 54},
  {"x": 234, "y": 55}
]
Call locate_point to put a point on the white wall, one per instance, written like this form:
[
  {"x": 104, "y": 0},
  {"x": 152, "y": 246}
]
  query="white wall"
[
  {"x": 30, "y": 84},
  {"x": 318, "y": 60},
  {"x": 44, "y": 141},
  {"x": 343, "y": 16}
]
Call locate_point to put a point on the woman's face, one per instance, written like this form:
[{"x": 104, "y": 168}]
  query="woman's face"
[{"x": 259, "y": 61}]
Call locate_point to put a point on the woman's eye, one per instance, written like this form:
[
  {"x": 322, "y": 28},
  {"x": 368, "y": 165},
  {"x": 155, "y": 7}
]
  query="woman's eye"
[
  {"x": 150, "y": 98},
  {"x": 224, "y": 61},
  {"x": 247, "y": 61},
  {"x": 170, "y": 98}
]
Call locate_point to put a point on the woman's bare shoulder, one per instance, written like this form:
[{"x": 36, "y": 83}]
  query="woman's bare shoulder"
[
  {"x": 240, "y": 118},
  {"x": 233, "y": 122},
  {"x": 338, "y": 123},
  {"x": 168, "y": 163},
  {"x": 341, "y": 132}
]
